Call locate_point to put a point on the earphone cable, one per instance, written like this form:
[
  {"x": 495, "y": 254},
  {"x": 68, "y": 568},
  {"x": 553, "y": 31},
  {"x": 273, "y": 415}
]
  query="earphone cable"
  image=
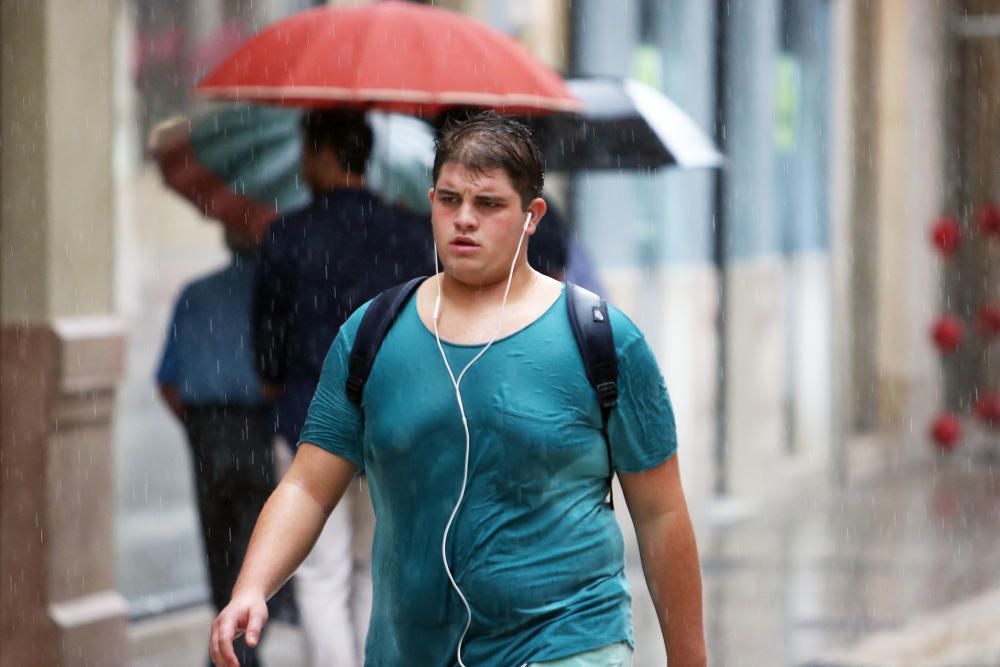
[{"x": 456, "y": 383}]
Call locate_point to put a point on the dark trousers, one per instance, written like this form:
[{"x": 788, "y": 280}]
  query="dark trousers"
[{"x": 233, "y": 461}]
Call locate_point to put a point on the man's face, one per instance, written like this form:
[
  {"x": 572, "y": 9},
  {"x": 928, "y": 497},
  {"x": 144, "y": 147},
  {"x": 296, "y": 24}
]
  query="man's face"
[
  {"x": 319, "y": 166},
  {"x": 477, "y": 220},
  {"x": 309, "y": 168}
]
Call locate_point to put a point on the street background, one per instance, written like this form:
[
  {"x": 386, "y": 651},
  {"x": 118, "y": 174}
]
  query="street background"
[{"x": 839, "y": 463}]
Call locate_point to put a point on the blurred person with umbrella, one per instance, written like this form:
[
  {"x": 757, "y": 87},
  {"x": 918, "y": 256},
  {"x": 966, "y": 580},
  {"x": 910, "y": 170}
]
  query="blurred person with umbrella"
[{"x": 208, "y": 380}]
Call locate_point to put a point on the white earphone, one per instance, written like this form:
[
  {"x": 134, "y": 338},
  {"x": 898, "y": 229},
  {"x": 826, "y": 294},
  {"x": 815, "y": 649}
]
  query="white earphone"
[{"x": 456, "y": 382}]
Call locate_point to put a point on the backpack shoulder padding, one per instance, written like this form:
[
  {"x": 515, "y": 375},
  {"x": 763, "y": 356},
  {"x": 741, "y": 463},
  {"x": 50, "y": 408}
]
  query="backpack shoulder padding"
[
  {"x": 375, "y": 324},
  {"x": 588, "y": 317}
]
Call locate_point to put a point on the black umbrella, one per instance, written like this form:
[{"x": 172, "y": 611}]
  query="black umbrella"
[{"x": 625, "y": 124}]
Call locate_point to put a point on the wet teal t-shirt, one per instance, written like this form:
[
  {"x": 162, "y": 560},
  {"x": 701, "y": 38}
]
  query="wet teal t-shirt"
[{"x": 535, "y": 547}]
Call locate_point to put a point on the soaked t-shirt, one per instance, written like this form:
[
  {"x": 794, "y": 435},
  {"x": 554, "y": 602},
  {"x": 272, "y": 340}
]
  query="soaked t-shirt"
[{"x": 535, "y": 547}]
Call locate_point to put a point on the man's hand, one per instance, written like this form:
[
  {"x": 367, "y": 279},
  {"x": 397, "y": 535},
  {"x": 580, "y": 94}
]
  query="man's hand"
[
  {"x": 245, "y": 614},
  {"x": 286, "y": 530}
]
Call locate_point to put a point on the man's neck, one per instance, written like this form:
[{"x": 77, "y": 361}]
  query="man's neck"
[
  {"x": 475, "y": 297},
  {"x": 471, "y": 315},
  {"x": 341, "y": 182}
]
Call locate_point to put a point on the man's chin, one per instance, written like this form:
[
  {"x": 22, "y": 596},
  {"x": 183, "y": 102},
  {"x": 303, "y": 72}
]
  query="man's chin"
[{"x": 471, "y": 276}]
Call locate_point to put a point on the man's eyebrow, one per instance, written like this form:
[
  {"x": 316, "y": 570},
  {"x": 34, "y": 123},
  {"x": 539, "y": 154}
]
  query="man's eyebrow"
[{"x": 445, "y": 191}]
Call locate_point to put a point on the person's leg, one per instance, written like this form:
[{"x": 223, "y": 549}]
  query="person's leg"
[
  {"x": 363, "y": 518},
  {"x": 323, "y": 592},
  {"x": 252, "y": 479},
  {"x": 209, "y": 432},
  {"x": 212, "y": 513}
]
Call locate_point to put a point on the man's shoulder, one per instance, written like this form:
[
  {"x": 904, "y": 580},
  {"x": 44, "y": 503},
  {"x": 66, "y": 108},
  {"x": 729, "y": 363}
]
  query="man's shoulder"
[
  {"x": 406, "y": 313},
  {"x": 290, "y": 221},
  {"x": 626, "y": 331},
  {"x": 338, "y": 206},
  {"x": 205, "y": 286},
  {"x": 291, "y": 231},
  {"x": 349, "y": 329}
]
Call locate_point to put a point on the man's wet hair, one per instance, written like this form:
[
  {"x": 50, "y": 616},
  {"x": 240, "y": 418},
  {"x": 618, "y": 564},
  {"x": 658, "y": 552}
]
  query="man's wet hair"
[
  {"x": 487, "y": 140},
  {"x": 344, "y": 131}
]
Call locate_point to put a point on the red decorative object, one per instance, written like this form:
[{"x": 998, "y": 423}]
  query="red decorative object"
[
  {"x": 946, "y": 235},
  {"x": 987, "y": 408},
  {"x": 946, "y": 431},
  {"x": 988, "y": 320},
  {"x": 989, "y": 220},
  {"x": 948, "y": 333}
]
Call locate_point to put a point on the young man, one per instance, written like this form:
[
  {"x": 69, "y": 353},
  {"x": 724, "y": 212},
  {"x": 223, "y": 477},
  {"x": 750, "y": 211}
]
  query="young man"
[{"x": 482, "y": 442}]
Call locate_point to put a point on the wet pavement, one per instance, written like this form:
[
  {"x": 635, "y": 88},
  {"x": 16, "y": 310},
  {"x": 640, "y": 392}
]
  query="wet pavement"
[
  {"x": 795, "y": 582},
  {"x": 827, "y": 569}
]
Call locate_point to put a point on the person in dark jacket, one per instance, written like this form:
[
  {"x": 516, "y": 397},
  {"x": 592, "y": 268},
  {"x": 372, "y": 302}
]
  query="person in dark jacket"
[
  {"x": 321, "y": 262},
  {"x": 318, "y": 264}
]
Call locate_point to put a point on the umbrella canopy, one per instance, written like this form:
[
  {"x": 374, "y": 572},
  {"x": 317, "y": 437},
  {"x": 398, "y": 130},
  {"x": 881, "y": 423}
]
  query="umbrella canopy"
[
  {"x": 397, "y": 56},
  {"x": 402, "y": 159},
  {"x": 625, "y": 124},
  {"x": 240, "y": 165}
]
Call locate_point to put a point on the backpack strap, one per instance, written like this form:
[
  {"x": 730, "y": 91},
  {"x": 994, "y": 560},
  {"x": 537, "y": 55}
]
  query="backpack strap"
[
  {"x": 588, "y": 317},
  {"x": 375, "y": 324}
]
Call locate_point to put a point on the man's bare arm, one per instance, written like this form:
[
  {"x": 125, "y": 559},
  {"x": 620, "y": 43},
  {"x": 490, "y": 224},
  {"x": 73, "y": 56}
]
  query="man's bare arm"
[
  {"x": 669, "y": 555},
  {"x": 285, "y": 532}
]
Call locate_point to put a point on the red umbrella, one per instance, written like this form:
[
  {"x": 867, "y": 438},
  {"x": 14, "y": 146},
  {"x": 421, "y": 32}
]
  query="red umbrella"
[{"x": 397, "y": 56}]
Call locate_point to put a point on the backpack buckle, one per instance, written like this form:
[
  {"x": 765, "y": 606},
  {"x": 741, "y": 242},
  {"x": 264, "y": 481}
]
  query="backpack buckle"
[
  {"x": 354, "y": 386},
  {"x": 607, "y": 394}
]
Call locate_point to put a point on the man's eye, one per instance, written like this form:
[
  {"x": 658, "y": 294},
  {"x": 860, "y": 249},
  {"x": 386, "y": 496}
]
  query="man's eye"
[{"x": 488, "y": 203}]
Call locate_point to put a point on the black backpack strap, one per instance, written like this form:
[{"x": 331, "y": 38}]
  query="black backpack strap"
[
  {"x": 375, "y": 324},
  {"x": 588, "y": 317}
]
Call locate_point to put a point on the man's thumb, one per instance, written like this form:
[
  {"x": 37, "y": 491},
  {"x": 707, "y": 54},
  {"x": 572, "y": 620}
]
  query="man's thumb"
[{"x": 254, "y": 626}]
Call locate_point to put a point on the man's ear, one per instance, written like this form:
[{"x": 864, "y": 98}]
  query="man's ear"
[
  {"x": 537, "y": 207},
  {"x": 430, "y": 195}
]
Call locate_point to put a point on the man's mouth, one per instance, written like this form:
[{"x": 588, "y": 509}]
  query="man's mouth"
[{"x": 463, "y": 242}]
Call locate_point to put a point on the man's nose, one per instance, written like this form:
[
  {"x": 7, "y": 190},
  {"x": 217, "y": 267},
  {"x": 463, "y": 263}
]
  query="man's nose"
[{"x": 466, "y": 220}]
